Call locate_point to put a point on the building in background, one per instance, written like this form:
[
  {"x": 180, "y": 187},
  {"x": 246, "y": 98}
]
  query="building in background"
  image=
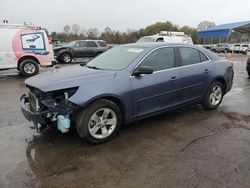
[{"x": 226, "y": 33}]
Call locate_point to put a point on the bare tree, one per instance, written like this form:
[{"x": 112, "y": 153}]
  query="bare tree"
[
  {"x": 108, "y": 30},
  {"x": 66, "y": 29},
  {"x": 93, "y": 32},
  {"x": 76, "y": 28},
  {"x": 205, "y": 25}
]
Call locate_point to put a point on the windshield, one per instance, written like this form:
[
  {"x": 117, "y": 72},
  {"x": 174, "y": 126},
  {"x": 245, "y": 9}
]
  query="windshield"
[
  {"x": 116, "y": 59},
  {"x": 147, "y": 39},
  {"x": 71, "y": 44}
]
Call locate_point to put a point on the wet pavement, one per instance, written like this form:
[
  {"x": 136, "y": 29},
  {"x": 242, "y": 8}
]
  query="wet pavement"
[{"x": 189, "y": 147}]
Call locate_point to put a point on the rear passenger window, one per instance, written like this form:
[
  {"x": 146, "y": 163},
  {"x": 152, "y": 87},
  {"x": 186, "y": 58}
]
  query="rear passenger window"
[
  {"x": 203, "y": 57},
  {"x": 160, "y": 59},
  {"x": 90, "y": 44},
  {"x": 102, "y": 44},
  {"x": 189, "y": 56}
]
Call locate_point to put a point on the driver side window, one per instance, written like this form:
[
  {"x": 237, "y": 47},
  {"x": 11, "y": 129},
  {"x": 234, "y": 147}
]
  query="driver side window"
[
  {"x": 77, "y": 44},
  {"x": 160, "y": 59}
]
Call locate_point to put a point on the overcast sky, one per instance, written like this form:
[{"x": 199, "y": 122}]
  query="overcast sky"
[{"x": 122, "y": 14}]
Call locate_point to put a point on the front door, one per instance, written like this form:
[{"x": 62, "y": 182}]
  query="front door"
[
  {"x": 160, "y": 90},
  {"x": 80, "y": 49}
]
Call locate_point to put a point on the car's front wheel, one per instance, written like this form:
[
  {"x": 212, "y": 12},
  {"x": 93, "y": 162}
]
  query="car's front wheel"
[
  {"x": 99, "y": 122},
  {"x": 213, "y": 96},
  {"x": 66, "y": 58}
]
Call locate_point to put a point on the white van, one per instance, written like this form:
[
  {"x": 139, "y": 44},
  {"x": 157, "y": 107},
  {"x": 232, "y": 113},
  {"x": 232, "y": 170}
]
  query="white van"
[
  {"x": 169, "y": 37},
  {"x": 25, "y": 48}
]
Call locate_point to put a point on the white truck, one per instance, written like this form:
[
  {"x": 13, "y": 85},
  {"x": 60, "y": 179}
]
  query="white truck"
[
  {"x": 169, "y": 37},
  {"x": 239, "y": 48},
  {"x": 25, "y": 48}
]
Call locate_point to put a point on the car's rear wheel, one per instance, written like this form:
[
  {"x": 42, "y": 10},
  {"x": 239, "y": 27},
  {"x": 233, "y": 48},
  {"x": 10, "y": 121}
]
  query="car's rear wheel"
[
  {"x": 213, "y": 96},
  {"x": 98, "y": 53},
  {"x": 99, "y": 122},
  {"x": 28, "y": 67},
  {"x": 66, "y": 58}
]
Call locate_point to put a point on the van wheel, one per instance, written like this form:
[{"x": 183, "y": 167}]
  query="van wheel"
[
  {"x": 66, "y": 58},
  {"x": 29, "y": 67},
  {"x": 99, "y": 122},
  {"x": 213, "y": 96}
]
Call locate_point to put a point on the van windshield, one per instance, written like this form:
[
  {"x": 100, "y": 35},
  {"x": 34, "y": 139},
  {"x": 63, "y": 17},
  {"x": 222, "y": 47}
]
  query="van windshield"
[{"x": 147, "y": 39}]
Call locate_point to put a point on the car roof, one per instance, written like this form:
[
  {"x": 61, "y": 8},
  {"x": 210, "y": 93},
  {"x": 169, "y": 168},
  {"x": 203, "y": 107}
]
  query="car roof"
[
  {"x": 90, "y": 40},
  {"x": 152, "y": 45},
  {"x": 155, "y": 44}
]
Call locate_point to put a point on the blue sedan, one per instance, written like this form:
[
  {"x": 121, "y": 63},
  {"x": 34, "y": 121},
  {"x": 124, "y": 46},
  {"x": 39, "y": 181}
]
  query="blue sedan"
[{"x": 126, "y": 84}]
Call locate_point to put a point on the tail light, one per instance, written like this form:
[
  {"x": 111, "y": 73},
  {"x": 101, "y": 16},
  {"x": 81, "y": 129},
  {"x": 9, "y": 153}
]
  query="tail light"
[
  {"x": 50, "y": 40},
  {"x": 229, "y": 59}
]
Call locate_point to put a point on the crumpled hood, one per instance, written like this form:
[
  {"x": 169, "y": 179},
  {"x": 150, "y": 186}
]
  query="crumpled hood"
[
  {"x": 68, "y": 77},
  {"x": 60, "y": 47}
]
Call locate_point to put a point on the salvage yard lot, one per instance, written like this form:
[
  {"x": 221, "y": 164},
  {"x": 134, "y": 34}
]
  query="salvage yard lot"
[{"x": 189, "y": 147}]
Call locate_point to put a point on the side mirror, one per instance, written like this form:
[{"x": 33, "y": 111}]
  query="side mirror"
[{"x": 143, "y": 70}]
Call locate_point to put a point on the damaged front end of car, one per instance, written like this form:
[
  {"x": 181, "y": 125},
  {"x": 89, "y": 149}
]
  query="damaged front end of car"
[{"x": 46, "y": 109}]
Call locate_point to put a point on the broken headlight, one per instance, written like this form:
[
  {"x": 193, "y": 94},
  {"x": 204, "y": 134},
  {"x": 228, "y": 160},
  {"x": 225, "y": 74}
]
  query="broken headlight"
[{"x": 61, "y": 96}]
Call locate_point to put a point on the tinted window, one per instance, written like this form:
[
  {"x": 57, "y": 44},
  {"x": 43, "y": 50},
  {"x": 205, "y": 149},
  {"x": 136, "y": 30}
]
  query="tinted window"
[
  {"x": 82, "y": 44},
  {"x": 189, "y": 56},
  {"x": 102, "y": 44},
  {"x": 90, "y": 44},
  {"x": 203, "y": 57},
  {"x": 160, "y": 40},
  {"x": 77, "y": 44},
  {"x": 146, "y": 39},
  {"x": 160, "y": 59}
]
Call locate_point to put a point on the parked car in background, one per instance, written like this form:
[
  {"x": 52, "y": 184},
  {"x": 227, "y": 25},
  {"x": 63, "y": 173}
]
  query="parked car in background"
[
  {"x": 212, "y": 47},
  {"x": 222, "y": 47},
  {"x": 237, "y": 48},
  {"x": 230, "y": 48},
  {"x": 125, "y": 84},
  {"x": 25, "y": 48},
  {"x": 169, "y": 37},
  {"x": 79, "y": 49},
  {"x": 244, "y": 48},
  {"x": 241, "y": 48}
]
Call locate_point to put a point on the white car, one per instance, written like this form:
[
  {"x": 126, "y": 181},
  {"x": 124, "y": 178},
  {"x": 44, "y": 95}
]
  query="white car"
[
  {"x": 25, "y": 48},
  {"x": 169, "y": 37}
]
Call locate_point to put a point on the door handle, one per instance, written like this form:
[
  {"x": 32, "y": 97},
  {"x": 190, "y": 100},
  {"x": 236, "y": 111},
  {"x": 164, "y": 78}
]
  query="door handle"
[
  {"x": 206, "y": 71},
  {"x": 173, "y": 78}
]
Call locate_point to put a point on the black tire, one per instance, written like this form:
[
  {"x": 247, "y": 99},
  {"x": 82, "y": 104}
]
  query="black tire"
[
  {"x": 83, "y": 121},
  {"x": 98, "y": 53},
  {"x": 207, "y": 103},
  {"x": 66, "y": 58},
  {"x": 248, "y": 74},
  {"x": 29, "y": 67}
]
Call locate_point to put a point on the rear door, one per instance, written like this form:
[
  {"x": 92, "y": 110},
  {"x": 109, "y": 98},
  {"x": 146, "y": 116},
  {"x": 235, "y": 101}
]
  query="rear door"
[
  {"x": 196, "y": 73},
  {"x": 160, "y": 90},
  {"x": 91, "y": 48},
  {"x": 80, "y": 49}
]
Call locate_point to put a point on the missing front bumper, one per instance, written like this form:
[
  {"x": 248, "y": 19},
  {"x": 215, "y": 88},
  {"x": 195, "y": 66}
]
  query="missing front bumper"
[{"x": 44, "y": 118}]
